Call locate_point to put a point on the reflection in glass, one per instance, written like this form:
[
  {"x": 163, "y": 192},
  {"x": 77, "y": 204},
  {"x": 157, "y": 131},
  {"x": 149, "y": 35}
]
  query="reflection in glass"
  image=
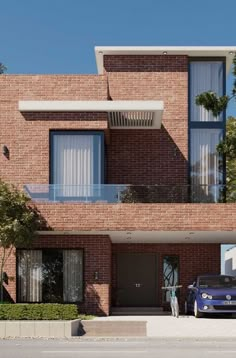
[
  {"x": 50, "y": 275},
  {"x": 205, "y": 76},
  {"x": 206, "y": 165},
  {"x": 170, "y": 274}
]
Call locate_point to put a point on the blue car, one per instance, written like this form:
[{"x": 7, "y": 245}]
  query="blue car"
[{"x": 211, "y": 294}]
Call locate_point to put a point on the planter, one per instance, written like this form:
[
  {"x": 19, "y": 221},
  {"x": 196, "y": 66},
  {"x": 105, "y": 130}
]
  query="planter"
[{"x": 33, "y": 329}]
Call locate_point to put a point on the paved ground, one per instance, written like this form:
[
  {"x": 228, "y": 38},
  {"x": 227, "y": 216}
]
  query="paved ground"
[
  {"x": 117, "y": 348},
  {"x": 184, "y": 326}
]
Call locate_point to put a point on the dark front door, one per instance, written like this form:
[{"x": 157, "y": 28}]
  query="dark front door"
[{"x": 136, "y": 279}]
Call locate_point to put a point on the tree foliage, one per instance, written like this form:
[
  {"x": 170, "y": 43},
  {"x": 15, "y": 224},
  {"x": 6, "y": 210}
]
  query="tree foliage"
[
  {"x": 227, "y": 147},
  {"x": 214, "y": 103},
  {"x": 2, "y": 68},
  {"x": 18, "y": 224}
]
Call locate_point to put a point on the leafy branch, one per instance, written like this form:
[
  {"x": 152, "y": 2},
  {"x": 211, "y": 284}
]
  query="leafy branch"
[{"x": 214, "y": 103}]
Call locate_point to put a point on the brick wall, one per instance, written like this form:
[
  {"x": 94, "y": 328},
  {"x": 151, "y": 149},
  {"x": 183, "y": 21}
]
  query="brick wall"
[
  {"x": 144, "y": 217},
  {"x": 150, "y": 156},
  {"x": 194, "y": 259},
  {"x": 27, "y": 134},
  {"x": 100, "y": 256},
  {"x": 97, "y": 257},
  {"x": 133, "y": 156}
]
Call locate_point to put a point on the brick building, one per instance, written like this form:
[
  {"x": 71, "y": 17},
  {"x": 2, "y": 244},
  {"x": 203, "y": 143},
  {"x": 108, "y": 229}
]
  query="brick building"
[{"x": 123, "y": 167}]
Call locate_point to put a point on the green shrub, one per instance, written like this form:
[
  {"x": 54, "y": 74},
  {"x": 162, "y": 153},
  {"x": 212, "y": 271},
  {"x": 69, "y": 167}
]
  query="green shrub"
[{"x": 41, "y": 311}]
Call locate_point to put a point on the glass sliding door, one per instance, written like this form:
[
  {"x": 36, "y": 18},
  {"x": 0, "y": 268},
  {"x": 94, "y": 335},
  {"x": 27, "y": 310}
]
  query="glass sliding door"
[
  {"x": 77, "y": 163},
  {"x": 50, "y": 275}
]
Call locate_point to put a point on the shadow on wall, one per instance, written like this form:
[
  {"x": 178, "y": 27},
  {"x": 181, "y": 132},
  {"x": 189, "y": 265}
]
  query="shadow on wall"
[
  {"x": 145, "y": 157},
  {"x": 9, "y": 274},
  {"x": 93, "y": 300}
]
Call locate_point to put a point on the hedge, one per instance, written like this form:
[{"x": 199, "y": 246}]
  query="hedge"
[{"x": 35, "y": 311}]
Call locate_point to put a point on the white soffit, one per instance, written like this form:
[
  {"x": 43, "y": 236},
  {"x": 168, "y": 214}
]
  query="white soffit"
[
  {"x": 121, "y": 114},
  {"x": 158, "y": 237},
  {"x": 192, "y": 51}
]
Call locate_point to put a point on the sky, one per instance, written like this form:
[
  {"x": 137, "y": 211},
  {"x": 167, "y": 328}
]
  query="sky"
[{"x": 58, "y": 36}]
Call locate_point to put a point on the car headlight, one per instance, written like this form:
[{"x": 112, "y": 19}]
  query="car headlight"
[{"x": 205, "y": 296}]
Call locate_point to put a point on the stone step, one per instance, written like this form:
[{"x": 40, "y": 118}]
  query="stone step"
[
  {"x": 138, "y": 311},
  {"x": 98, "y": 328}
]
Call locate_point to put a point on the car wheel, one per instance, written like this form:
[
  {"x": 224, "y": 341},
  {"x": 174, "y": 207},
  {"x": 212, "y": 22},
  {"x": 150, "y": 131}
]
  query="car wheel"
[{"x": 197, "y": 314}]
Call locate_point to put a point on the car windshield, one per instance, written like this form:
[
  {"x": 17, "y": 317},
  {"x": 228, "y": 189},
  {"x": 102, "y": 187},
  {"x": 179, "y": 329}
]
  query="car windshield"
[{"x": 217, "y": 282}]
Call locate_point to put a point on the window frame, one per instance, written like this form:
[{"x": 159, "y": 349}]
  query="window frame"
[
  {"x": 205, "y": 125},
  {"x": 162, "y": 272},
  {"x": 51, "y": 249},
  {"x": 54, "y": 132}
]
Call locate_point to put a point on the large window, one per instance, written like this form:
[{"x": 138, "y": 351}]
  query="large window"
[
  {"x": 206, "y": 164},
  {"x": 207, "y": 170},
  {"x": 76, "y": 162},
  {"x": 50, "y": 275},
  {"x": 205, "y": 76}
]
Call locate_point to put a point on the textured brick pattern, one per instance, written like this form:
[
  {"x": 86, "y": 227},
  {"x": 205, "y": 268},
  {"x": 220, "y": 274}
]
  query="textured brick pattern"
[
  {"x": 160, "y": 217},
  {"x": 195, "y": 259},
  {"x": 132, "y": 157},
  {"x": 150, "y": 156},
  {"x": 27, "y": 134},
  {"x": 97, "y": 258}
]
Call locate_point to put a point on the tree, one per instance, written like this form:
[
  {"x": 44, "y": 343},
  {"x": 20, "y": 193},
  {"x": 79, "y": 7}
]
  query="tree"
[
  {"x": 227, "y": 147},
  {"x": 2, "y": 68},
  {"x": 18, "y": 224},
  {"x": 214, "y": 103}
]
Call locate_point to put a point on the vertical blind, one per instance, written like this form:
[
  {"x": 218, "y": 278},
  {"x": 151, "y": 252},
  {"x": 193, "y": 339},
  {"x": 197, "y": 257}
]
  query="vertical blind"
[
  {"x": 206, "y": 174},
  {"x": 205, "y": 76},
  {"x": 76, "y": 164},
  {"x": 30, "y": 275},
  {"x": 72, "y": 275}
]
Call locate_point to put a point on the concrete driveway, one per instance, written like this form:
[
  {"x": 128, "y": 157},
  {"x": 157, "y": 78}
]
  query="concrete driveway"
[{"x": 184, "y": 326}]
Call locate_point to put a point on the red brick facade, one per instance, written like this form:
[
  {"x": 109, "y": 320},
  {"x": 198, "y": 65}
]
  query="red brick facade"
[{"x": 132, "y": 157}]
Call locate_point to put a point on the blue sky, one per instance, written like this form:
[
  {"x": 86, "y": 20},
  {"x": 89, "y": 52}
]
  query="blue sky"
[{"x": 58, "y": 36}]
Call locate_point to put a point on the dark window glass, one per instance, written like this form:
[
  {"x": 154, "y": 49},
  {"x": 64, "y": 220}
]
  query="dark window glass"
[
  {"x": 217, "y": 282},
  {"x": 170, "y": 274},
  {"x": 50, "y": 275}
]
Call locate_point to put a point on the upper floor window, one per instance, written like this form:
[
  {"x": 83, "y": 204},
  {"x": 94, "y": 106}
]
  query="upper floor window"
[
  {"x": 76, "y": 162},
  {"x": 205, "y": 76}
]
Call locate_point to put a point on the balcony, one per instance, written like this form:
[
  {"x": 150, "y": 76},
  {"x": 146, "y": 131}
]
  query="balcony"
[{"x": 130, "y": 194}]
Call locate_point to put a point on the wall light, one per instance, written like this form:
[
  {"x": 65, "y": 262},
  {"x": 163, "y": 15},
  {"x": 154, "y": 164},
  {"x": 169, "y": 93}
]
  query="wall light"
[
  {"x": 96, "y": 276},
  {"x": 164, "y": 52}
]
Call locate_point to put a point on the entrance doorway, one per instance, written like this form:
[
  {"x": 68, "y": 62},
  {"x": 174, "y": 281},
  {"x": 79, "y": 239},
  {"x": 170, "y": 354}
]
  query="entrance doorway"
[{"x": 136, "y": 280}]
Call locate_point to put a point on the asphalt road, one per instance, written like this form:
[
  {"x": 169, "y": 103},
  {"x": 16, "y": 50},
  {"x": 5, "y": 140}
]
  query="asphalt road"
[{"x": 117, "y": 348}]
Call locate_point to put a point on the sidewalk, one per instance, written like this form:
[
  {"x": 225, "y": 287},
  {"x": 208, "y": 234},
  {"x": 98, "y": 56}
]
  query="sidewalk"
[{"x": 183, "y": 327}]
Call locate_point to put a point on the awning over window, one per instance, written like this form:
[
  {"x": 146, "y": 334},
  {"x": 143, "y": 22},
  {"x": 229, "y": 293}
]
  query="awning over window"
[{"x": 121, "y": 114}]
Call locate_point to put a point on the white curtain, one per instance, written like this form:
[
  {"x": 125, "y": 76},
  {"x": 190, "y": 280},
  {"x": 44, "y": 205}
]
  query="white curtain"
[
  {"x": 73, "y": 165},
  {"x": 72, "y": 275},
  {"x": 205, "y": 163},
  {"x": 205, "y": 76},
  {"x": 30, "y": 275}
]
